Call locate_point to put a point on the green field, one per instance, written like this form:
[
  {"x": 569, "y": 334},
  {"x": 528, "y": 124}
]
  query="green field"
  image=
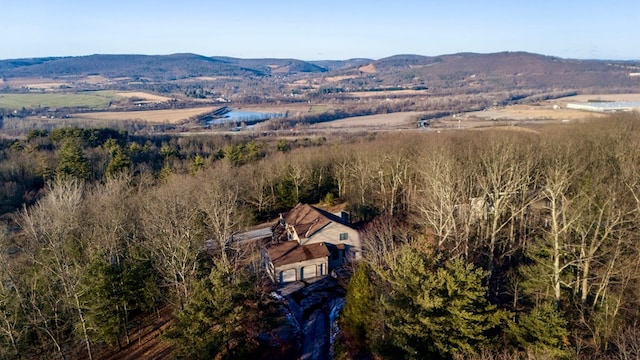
[
  {"x": 90, "y": 99},
  {"x": 317, "y": 109}
]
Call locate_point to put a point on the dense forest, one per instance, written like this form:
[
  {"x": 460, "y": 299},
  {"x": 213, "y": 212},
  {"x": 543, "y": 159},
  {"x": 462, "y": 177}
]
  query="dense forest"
[{"x": 504, "y": 243}]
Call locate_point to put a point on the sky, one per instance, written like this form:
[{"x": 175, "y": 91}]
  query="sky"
[{"x": 320, "y": 30}]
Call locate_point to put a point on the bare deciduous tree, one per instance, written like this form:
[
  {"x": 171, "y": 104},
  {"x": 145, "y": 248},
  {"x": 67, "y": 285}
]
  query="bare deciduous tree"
[
  {"x": 219, "y": 202},
  {"x": 504, "y": 179},
  {"x": 438, "y": 199},
  {"x": 55, "y": 244},
  {"x": 173, "y": 232}
]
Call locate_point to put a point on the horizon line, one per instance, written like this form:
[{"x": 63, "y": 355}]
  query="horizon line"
[{"x": 324, "y": 59}]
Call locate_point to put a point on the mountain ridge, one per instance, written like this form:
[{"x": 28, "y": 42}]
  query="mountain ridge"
[{"x": 471, "y": 70}]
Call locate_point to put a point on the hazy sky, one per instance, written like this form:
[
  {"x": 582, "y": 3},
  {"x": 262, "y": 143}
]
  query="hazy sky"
[{"x": 312, "y": 30}]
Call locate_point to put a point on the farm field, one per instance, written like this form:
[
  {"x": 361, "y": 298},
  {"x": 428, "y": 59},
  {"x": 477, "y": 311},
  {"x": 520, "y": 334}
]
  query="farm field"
[
  {"x": 527, "y": 113},
  {"x": 173, "y": 116},
  {"x": 90, "y": 99},
  {"x": 547, "y": 111},
  {"x": 143, "y": 96},
  {"x": 339, "y": 78},
  {"x": 406, "y": 119},
  {"x": 52, "y": 84},
  {"x": 36, "y": 83}
]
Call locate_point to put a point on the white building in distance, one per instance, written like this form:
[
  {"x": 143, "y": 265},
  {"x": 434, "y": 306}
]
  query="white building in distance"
[{"x": 605, "y": 106}]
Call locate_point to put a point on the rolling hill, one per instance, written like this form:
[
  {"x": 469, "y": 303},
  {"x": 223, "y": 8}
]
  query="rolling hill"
[
  {"x": 273, "y": 66},
  {"x": 506, "y": 70},
  {"x": 463, "y": 72},
  {"x": 152, "y": 67},
  {"x": 332, "y": 65}
]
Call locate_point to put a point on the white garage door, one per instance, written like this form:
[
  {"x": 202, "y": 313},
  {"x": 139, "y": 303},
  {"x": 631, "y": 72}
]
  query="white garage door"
[
  {"x": 288, "y": 275},
  {"x": 308, "y": 272}
]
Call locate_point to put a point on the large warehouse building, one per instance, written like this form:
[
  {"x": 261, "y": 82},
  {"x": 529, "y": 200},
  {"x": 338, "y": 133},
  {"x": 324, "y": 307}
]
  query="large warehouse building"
[{"x": 605, "y": 106}]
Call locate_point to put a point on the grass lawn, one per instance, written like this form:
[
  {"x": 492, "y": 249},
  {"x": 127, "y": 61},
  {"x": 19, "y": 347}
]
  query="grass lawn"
[{"x": 90, "y": 99}]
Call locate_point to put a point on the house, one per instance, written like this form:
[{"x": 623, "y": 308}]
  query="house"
[{"x": 304, "y": 236}]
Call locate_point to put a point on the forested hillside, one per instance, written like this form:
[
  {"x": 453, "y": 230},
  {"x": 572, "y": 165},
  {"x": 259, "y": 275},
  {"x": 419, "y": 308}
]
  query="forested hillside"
[
  {"x": 153, "y": 67},
  {"x": 493, "y": 244},
  {"x": 474, "y": 72}
]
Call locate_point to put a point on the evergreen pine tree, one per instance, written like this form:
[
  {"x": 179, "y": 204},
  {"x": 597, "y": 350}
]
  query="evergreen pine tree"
[
  {"x": 356, "y": 315},
  {"x": 119, "y": 162},
  {"x": 197, "y": 163},
  {"x": 216, "y": 322},
  {"x": 439, "y": 311},
  {"x": 543, "y": 328},
  {"x": 72, "y": 162},
  {"x": 115, "y": 290}
]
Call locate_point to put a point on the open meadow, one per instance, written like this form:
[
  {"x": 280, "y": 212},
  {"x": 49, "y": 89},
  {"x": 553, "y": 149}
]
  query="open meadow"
[
  {"x": 520, "y": 113},
  {"x": 407, "y": 119},
  {"x": 171, "y": 116},
  {"x": 142, "y": 96},
  {"x": 545, "y": 111},
  {"x": 88, "y": 99},
  {"x": 37, "y": 83}
]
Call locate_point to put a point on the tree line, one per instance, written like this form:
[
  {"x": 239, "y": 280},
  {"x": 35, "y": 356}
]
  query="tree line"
[
  {"x": 541, "y": 224},
  {"x": 477, "y": 244}
]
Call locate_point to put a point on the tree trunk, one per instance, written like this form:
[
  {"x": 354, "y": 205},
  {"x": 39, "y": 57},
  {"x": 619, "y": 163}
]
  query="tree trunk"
[{"x": 84, "y": 326}]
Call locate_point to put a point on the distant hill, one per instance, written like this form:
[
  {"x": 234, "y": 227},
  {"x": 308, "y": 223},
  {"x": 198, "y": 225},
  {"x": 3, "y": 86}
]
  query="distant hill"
[
  {"x": 404, "y": 61},
  {"x": 504, "y": 63},
  {"x": 153, "y": 67},
  {"x": 273, "y": 66},
  {"x": 460, "y": 73},
  {"x": 332, "y": 65},
  {"x": 507, "y": 70}
]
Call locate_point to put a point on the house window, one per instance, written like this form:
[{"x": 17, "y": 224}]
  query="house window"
[{"x": 344, "y": 236}]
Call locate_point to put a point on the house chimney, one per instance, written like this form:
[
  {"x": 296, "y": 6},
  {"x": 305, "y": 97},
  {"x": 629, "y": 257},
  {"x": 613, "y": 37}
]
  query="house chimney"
[
  {"x": 346, "y": 217},
  {"x": 291, "y": 233}
]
